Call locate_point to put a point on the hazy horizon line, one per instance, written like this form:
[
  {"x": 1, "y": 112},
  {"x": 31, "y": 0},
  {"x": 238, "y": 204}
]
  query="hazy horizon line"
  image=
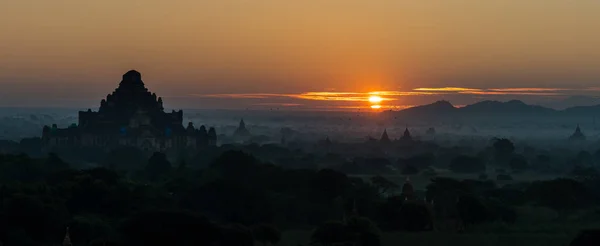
[{"x": 297, "y": 107}]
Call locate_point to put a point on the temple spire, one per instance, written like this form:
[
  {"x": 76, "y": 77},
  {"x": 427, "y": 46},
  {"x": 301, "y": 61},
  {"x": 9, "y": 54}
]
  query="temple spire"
[
  {"x": 408, "y": 190},
  {"x": 406, "y": 136},
  {"x": 242, "y": 131},
  {"x": 67, "y": 240},
  {"x": 384, "y": 137},
  {"x": 577, "y": 135}
]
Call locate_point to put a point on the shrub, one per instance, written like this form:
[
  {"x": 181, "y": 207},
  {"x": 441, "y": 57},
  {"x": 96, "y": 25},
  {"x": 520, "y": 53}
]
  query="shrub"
[
  {"x": 430, "y": 172},
  {"x": 504, "y": 177},
  {"x": 410, "y": 170},
  {"x": 467, "y": 164}
]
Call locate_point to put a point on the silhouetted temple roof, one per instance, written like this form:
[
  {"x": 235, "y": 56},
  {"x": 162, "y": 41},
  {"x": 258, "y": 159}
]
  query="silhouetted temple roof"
[
  {"x": 577, "y": 135},
  {"x": 406, "y": 136},
  {"x": 384, "y": 137},
  {"x": 242, "y": 131},
  {"x": 129, "y": 101},
  {"x": 64, "y": 132}
]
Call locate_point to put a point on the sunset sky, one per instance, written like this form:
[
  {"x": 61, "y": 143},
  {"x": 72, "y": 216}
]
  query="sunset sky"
[{"x": 274, "y": 53}]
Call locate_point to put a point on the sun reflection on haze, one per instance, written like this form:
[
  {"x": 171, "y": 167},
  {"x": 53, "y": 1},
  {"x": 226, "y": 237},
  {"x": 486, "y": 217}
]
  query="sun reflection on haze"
[{"x": 375, "y": 99}]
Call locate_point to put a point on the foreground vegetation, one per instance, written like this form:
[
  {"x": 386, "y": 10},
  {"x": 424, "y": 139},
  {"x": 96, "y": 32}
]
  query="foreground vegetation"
[
  {"x": 293, "y": 238},
  {"x": 238, "y": 199}
]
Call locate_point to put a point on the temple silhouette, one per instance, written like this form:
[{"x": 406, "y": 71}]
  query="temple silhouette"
[
  {"x": 577, "y": 135},
  {"x": 406, "y": 137},
  {"x": 385, "y": 139},
  {"x": 242, "y": 131},
  {"x": 130, "y": 116}
]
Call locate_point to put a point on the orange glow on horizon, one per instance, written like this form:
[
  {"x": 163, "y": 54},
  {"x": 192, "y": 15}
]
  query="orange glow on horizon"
[
  {"x": 447, "y": 89},
  {"x": 384, "y": 99}
]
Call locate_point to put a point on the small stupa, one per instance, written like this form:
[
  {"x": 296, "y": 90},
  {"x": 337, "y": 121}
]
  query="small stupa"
[
  {"x": 406, "y": 137},
  {"x": 241, "y": 131},
  {"x": 385, "y": 139},
  {"x": 577, "y": 135},
  {"x": 408, "y": 191},
  {"x": 67, "y": 240},
  {"x": 327, "y": 141},
  {"x": 283, "y": 141}
]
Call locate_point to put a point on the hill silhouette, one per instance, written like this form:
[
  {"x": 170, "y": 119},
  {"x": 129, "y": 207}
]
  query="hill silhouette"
[
  {"x": 494, "y": 108},
  {"x": 439, "y": 107},
  {"x": 510, "y": 107}
]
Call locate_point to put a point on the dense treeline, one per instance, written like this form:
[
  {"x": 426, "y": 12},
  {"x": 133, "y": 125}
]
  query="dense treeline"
[{"x": 238, "y": 199}]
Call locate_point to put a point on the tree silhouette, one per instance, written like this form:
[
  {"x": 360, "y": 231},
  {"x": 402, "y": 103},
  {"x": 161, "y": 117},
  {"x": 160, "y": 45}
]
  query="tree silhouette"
[
  {"x": 467, "y": 164},
  {"x": 410, "y": 170},
  {"x": 518, "y": 163},
  {"x": 585, "y": 174},
  {"x": 586, "y": 238},
  {"x": 356, "y": 231},
  {"x": 236, "y": 235},
  {"x": 168, "y": 228},
  {"x": 329, "y": 184},
  {"x": 503, "y": 150},
  {"x": 125, "y": 158},
  {"x": 330, "y": 233},
  {"x": 55, "y": 163},
  {"x": 383, "y": 185},
  {"x": 363, "y": 232},
  {"x": 559, "y": 194},
  {"x": 415, "y": 217},
  {"x": 158, "y": 166},
  {"x": 266, "y": 234},
  {"x": 471, "y": 210}
]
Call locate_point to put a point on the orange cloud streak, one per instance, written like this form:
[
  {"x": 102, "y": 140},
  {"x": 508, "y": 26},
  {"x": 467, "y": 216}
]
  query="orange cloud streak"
[
  {"x": 241, "y": 95},
  {"x": 511, "y": 93},
  {"x": 339, "y": 96},
  {"x": 527, "y": 89},
  {"x": 446, "y": 89},
  {"x": 393, "y": 95}
]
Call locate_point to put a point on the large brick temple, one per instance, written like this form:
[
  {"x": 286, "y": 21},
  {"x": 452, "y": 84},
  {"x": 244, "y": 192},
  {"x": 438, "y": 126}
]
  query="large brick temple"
[{"x": 130, "y": 116}]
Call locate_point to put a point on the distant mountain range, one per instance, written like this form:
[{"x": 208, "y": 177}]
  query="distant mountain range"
[
  {"x": 496, "y": 108},
  {"x": 573, "y": 101}
]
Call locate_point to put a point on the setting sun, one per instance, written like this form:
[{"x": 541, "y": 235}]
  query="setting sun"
[
  {"x": 375, "y": 106},
  {"x": 375, "y": 99}
]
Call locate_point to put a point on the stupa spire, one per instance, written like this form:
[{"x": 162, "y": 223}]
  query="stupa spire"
[
  {"x": 406, "y": 136},
  {"x": 241, "y": 131},
  {"x": 384, "y": 137},
  {"x": 67, "y": 239},
  {"x": 408, "y": 190},
  {"x": 577, "y": 135}
]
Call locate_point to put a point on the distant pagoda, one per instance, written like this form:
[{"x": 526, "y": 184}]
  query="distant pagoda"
[
  {"x": 408, "y": 191},
  {"x": 406, "y": 137},
  {"x": 327, "y": 141},
  {"x": 577, "y": 135},
  {"x": 130, "y": 116},
  {"x": 385, "y": 139},
  {"x": 242, "y": 131},
  {"x": 67, "y": 239}
]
